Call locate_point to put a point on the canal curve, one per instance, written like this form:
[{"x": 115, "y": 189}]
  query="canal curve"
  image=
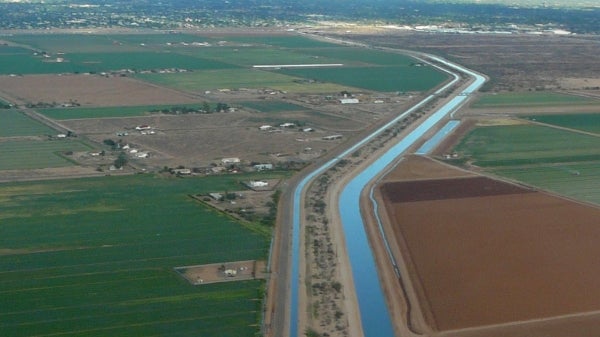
[
  {"x": 370, "y": 297},
  {"x": 375, "y": 317}
]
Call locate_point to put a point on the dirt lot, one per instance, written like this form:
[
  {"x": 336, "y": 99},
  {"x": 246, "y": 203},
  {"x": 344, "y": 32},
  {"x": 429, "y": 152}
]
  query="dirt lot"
[
  {"x": 223, "y": 272},
  {"x": 88, "y": 90},
  {"x": 198, "y": 140},
  {"x": 488, "y": 258}
]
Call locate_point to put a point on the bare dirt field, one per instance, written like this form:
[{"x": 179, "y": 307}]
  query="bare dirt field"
[
  {"x": 489, "y": 258},
  {"x": 88, "y": 90},
  {"x": 198, "y": 140}
]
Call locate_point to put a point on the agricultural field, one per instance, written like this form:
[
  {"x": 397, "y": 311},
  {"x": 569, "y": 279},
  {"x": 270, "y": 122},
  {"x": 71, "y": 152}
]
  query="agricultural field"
[
  {"x": 503, "y": 146},
  {"x": 34, "y": 154},
  {"x": 580, "y": 180},
  {"x": 362, "y": 55},
  {"x": 89, "y": 90},
  {"x": 583, "y": 122},
  {"x": 386, "y": 79},
  {"x": 281, "y": 41},
  {"x": 554, "y": 159},
  {"x": 272, "y": 106},
  {"x": 111, "y": 112},
  {"x": 237, "y": 79},
  {"x": 463, "y": 240},
  {"x": 249, "y": 56},
  {"x": 530, "y": 99},
  {"x": 71, "y": 43},
  {"x": 95, "y": 257},
  {"x": 103, "y": 62},
  {"x": 215, "y": 63},
  {"x": 14, "y": 123}
]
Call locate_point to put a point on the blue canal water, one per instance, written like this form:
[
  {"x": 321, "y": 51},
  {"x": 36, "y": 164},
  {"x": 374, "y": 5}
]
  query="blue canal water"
[
  {"x": 375, "y": 317},
  {"x": 429, "y": 145}
]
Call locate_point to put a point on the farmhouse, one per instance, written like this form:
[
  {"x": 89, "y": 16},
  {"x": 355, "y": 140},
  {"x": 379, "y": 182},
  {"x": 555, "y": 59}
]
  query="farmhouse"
[
  {"x": 143, "y": 127},
  {"x": 287, "y": 125},
  {"x": 265, "y": 127}
]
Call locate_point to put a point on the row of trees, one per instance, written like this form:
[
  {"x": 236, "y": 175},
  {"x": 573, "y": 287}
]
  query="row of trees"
[{"x": 206, "y": 108}]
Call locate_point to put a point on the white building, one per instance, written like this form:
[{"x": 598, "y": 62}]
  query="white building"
[
  {"x": 258, "y": 183},
  {"x": 232, "y": 160},
  {"x": 349, "y": 100}
]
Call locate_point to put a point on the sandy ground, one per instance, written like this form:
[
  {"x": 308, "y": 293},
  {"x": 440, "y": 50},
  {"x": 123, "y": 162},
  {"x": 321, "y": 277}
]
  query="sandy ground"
[{"x": 554, "y": 292}]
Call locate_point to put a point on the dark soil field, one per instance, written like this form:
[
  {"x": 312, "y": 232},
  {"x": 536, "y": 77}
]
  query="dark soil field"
[{"x": 489, "y": 258}]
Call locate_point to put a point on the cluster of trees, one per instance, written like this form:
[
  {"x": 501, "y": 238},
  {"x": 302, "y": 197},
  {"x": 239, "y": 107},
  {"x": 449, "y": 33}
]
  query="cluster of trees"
[{"x": 206, "y": 108}]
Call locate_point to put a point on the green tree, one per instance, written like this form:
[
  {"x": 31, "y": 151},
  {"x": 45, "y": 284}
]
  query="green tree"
[
  {"x": 206, "y": 107},
  {"x": 121, "y": 160}
]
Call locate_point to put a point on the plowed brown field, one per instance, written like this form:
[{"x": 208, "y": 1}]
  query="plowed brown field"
[{"x": 487, "y": 257}]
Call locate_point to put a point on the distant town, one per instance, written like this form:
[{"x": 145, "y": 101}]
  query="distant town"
[{"x": 467, "y": 15}]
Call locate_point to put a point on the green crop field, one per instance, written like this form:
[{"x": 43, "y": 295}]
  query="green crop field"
[
  {"x": 140, "y": 60},
  {"x": 98, "y": 62},
  {"x": 530, "y": 99},
  {"x": 236, "y": 79},
  {"x": 73, "y": 43},
  {"x": 95, "y": 257},
  {"x": 366, "y": 56},
  {"x": 272, "y": 106},
  {"x": 15, "y": 123},
  {"x": 387, "y": 79},
  {"x": 583, "y": 122},
  {"x": 160, "y": 40},
  {"x": 11, "y": 50},
  {"x": 29, "y": 64},
  {"x": 248, "y": 56},
  {"x": 110, "y": 112},
  {"x": 510, "y": 145},
  {"x": 33, "y": 154},
  {"x": 283, "y": 41},
  {"x": 577, "y": 180},
  {"x": 558, "y": 160}
]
